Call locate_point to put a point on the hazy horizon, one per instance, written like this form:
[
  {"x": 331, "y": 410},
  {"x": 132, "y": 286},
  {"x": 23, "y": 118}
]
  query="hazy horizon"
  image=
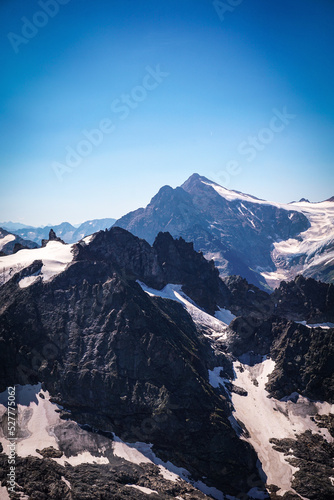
[{"x": 77, "y": 224}]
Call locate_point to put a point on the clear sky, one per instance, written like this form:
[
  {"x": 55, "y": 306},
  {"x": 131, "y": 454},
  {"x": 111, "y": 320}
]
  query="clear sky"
[{"x": 242, "y": 95}]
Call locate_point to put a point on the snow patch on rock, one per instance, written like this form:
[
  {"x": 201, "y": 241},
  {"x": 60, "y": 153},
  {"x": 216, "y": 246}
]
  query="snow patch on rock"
[
  {"x": 55, "y": 257},
  {"x": 6, "y": 239},
  {"x": 325, "y": 326},
  {"x": 147, "y": 491},
  {"x": 215, "y": 325},
  {"x": 266, "y": 418},
  {"x": 37, "y": 421}
]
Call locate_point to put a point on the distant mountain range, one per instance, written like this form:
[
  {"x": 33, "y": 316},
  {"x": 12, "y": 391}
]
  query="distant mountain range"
[
  {"x": 13, "y": 226},
  {"x": 262, "y": 241},
  {"x": 65, "y": 230},
  {"x": 10, "y": 243}
]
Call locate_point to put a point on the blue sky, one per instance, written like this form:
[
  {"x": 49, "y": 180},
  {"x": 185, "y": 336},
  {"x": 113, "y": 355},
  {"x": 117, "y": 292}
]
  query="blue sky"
[{"x": 225, "y": 79}]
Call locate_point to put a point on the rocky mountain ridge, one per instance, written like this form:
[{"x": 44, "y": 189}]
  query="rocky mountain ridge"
[
  {"x": 123, "y": 361},
  {"x": 263, "y": 242},
  {"x": 119, "y": 355}
]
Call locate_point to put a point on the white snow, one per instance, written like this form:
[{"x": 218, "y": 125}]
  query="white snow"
[
  {"x": 66, "y": 482},
  {"x": 325, "y": 326},
  {"x": 139, "y": 452},
  {"x": 6, "y": 239},
  {"x": 168, "y": 474},
  {"x": 142, "y": 453},
  {"x": 29, "y": 280},
  {"x": 4, "y": 493},
  {"x": 148, "y": 491},
  {"x": 231, "y": 195},
  {"x": 128, "y": 452},
  {"x": 37, "y": 419},
  {"x": 274, "y": 278},
  {"x": 216, "y": 325},
  {"x": 250, "y": 220},
  {"x": 215, "y": 379},
  {"x": 316, "y": 244},
  {"x": 84, "y": 457},
  {"x": 55, "y": 257},
  {"x": 88, "y": 239},
  {"x": 267, "y": 418},
  {"x": 225, "y": 315}
]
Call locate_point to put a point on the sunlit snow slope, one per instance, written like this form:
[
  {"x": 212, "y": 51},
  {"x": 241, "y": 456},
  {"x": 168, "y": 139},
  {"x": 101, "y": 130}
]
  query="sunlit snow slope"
[
  {"x": 55, "y": 256},
  {"x": 266, "y": 418},
  {"x": 311, "y": 253}
]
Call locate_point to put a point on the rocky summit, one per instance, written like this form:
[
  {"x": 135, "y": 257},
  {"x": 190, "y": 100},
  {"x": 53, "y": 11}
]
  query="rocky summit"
[{"x": 264, "y": 242}]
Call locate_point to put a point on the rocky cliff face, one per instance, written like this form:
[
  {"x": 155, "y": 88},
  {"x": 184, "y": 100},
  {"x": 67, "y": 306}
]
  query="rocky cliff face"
[
  {"x": 167, "y": 261},
  {"x": 123, "y": 361},
  {"x": 303, "y": 355},
  {"x": 305, "y": 299}
]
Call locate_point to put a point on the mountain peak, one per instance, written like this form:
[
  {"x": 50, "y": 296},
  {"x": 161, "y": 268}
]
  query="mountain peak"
[
  {"x": 166, "y": 194},
  {"x": 195, "y": 179}
]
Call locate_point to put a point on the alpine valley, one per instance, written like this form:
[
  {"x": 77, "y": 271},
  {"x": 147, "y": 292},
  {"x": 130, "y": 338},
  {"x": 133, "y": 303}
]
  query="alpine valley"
[{"x": 186, "y": 352}]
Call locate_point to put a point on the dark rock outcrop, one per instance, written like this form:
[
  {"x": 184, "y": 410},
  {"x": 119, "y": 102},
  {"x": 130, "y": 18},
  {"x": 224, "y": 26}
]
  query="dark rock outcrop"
[
  {"x": 18, "y": 247},
  {"x": 303, "y": 356},
  {"x": 305, "y": 299},
  {"x": 52, "y": 237},
  {"x": 44, "y": 479},
  {"x": 175, "y": 261},
  {"x": 167, "y": 261},
  {"x": 50, "y": 452},
  {"x": 244, "y": 299},
  {"x": 304, "y": 362}
]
